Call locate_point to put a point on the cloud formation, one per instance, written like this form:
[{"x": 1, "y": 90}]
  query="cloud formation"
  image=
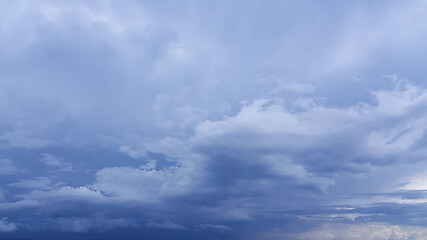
[
  {"x": 362, "y": 231},
  {"x": 282, "y": 120},
  {"x": 6, "y": 226}
]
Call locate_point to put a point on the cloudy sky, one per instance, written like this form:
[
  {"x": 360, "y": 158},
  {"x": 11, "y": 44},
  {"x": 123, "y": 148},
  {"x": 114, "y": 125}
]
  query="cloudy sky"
[{"x": 251, "y": 120}]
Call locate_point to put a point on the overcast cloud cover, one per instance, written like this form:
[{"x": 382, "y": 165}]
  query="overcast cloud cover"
[{"x": 254, "y": 120}]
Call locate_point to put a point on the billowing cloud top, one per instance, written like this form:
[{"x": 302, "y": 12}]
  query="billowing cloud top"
[{"x": 213, "y": 120}]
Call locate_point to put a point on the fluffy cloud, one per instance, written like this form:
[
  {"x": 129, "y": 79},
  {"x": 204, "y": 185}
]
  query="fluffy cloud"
[
  {"x": 263, "y": 148},
  {"x": 267, "y": 150},
  {"x": 144, "y": 185},
  {"x": 304, "y": 144}
]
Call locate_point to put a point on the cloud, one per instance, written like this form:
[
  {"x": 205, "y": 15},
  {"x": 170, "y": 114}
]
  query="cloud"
[
  {"x": 367, "y": 231},
  {"x": 144, "y": 185},
  {"x": 265, "y": 150},
  {"x": 66, "y": 193},
  {"x": 132, "y": 153},
  {"x": 7, "y": 167},
  {"x": 417, "y": 183},
  {"x": 165, "y": 225},
  {"x": 282, "y": 85},
  {"x": 286, "y": 137},
  {"x": 6, "y": 226},
  {"x": 43, "y": 183},
  {"x": 21, "y": 139},
  {"x": 12, "y": 206},
  {"x": 214, "y": 227},
  {"x": 233, "y": 125},
  {"x": 58, "y": 163},
  {"x": 81, "y": 225},
  {"x": 266, "y": 155},
  {"x": 2, "y": 195}
]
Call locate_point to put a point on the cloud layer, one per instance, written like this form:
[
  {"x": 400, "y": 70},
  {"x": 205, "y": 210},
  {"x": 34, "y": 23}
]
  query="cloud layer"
[{"x": 225, "y": 120}]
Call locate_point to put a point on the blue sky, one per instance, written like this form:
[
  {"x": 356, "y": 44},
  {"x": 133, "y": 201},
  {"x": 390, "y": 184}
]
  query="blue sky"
[{"x": 213, "y": 120}]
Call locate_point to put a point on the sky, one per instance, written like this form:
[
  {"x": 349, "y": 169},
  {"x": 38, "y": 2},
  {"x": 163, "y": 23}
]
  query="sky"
[{"x": 240, "y": 120}]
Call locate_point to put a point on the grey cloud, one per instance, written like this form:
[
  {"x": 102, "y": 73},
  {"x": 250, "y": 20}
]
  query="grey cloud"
[
  {"x": 165, "y": 225},
  {"x": 291, "y": 137},
  {"x": 22, "y": 204},
  {"x": 66, "y": 193},
  {"x": 44, "y": 183},
  {"x": 58, "y": 163},
  {"x": 7, "y": 167},
  {"x": 190, "y": 112},
  {"x": 84, "y": 224},
  {"x": 22, "y": 139},
  {"x": 145, "y": 185},
  {"x": 214, "y": 227},
  {"x": 2, "y": 195},
  {"x": 6, "y": 226},
  {"x": 241, "y": 166},
  {"x": 132, "y": 153}
]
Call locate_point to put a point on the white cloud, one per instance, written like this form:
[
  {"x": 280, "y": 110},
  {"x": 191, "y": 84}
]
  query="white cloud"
[
  {"x": 263, "y": 117},
  {"x": 66, "y": 193},
  {"x": 133, "y": 153},
  {"x": 336, "y": 216},
  {"x": 369, "y": 231},
  {"x": 400, "y": 100},
  {"x": 302, "y": 144},
  {"x": 416, "y": 181},
  {"x": 151, "y": 164},
  {"x": 144, "y": 185}
]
